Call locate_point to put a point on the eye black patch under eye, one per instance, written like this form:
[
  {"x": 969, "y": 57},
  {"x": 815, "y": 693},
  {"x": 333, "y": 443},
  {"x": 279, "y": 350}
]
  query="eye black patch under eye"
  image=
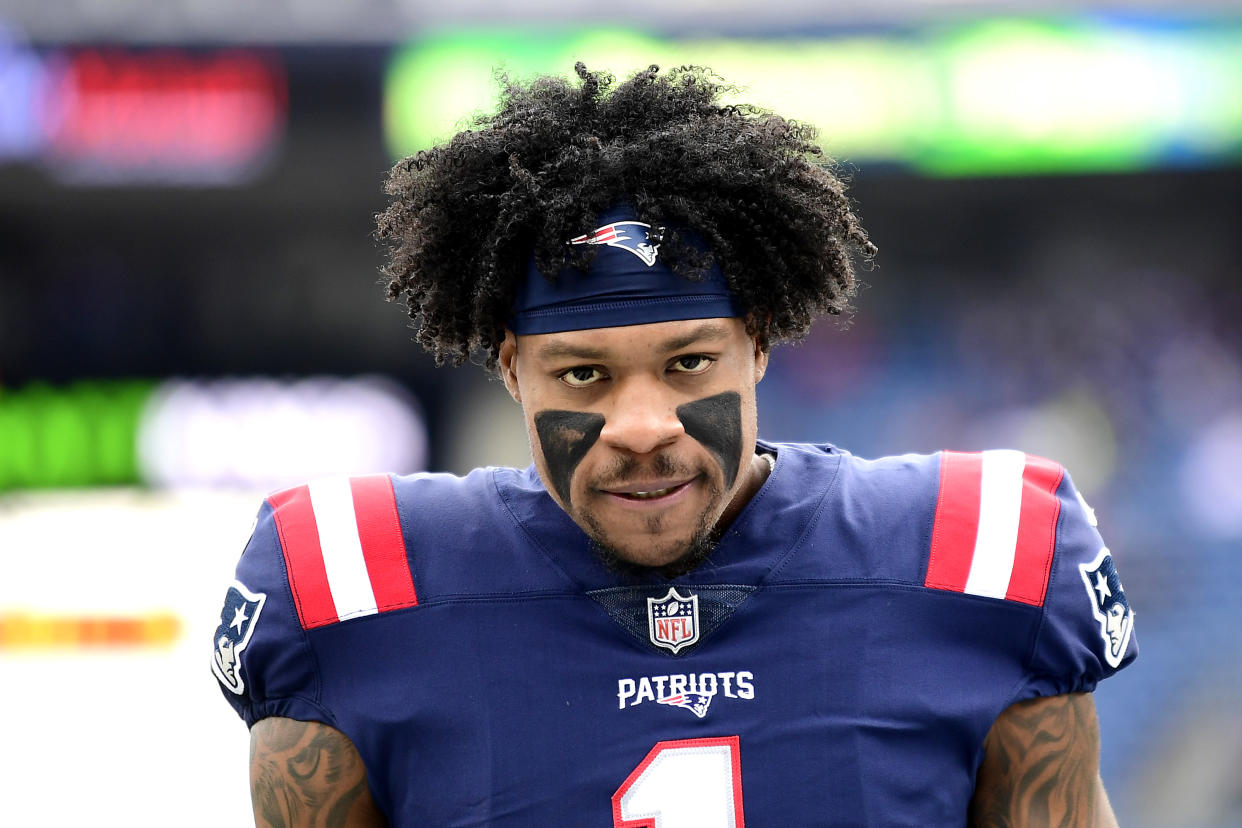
[
  {"x": 565, "y": 437},
  {"x": 716, "y": 422}
]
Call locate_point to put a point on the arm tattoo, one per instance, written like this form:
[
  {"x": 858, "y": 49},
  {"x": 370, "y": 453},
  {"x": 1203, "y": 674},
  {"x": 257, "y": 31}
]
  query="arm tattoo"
[
  {"x": 1041, "y": 767},
  {"x": 308, "y": 775}
]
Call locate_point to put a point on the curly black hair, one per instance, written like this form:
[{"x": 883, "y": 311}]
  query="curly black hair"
[{"x": 465, "y": 216}]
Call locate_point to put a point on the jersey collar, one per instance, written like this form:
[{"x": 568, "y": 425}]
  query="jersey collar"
[{"x": 771, "y": 527}]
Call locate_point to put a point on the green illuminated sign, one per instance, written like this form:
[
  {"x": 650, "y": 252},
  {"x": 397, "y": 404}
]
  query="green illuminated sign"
[
  {"x": 432, "y": 89},
  {"x": 81, "y": 435},
  {"x": 1008, "y": 96}
]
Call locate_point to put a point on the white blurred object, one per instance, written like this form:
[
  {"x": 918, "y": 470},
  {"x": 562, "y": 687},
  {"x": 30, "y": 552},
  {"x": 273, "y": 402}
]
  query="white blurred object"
[
  {"x": 1072, "y": 429},
  {"x": 267, "y": 434},
  {"x": 1211, "y": 486},
  {"x": 121, "y": 553}
]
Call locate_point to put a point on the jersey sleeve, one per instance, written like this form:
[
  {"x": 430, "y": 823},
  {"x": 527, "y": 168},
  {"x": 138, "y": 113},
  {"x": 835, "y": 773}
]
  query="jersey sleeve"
[
  {"x": 260, "y": 653},
  {"x": 1087, "y": 630}
]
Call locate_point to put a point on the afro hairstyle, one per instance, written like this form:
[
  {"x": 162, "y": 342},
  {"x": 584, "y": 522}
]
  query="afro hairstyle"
[{"x": 465, "y": 217}]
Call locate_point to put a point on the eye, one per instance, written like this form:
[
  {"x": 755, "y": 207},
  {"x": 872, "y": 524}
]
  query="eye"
[
  {"x": 691, "y": 364},
  {"x": 581, "y": 376}
]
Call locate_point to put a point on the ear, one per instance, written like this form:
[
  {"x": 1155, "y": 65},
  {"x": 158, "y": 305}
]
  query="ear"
[
  {"x": 507, "y": 362},
  {"x": 759, "y": 338},
  {"x": 761, "y": 359}
]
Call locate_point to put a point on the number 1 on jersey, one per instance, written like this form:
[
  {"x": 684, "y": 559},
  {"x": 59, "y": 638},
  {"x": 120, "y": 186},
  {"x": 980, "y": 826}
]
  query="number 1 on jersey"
[{"x": 687, "y": 783}]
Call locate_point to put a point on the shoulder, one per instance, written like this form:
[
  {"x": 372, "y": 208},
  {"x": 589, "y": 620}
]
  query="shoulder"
[
  {"x": 977, "y": 528},
  {"x": 809, "y": 465},
  {"x": 322, "y": 553},
  {"x": 349, "y": 547},
  {"x": 342, "y": 546},
  {"x": 994, "y": 528},
  {"x": 979, "y": 523},
  {"x": 368, "y": 497}
]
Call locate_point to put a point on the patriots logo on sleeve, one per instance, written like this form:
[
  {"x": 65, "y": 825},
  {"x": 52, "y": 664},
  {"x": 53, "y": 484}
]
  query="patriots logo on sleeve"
[
  {"x": 237, "y": 620},
  {"x": 634, "y": 236},
  {"x": 1109, "y": 605}
]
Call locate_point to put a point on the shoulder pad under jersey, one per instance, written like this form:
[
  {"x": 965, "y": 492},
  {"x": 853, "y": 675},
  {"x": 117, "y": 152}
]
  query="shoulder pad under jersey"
[
  {"x": 320, "y": 554},
  {"x": 1011, "y": 526}
]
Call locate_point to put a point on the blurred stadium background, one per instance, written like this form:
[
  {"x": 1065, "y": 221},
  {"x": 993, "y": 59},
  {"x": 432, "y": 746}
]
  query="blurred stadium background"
[{"x": 191, "y": 316}]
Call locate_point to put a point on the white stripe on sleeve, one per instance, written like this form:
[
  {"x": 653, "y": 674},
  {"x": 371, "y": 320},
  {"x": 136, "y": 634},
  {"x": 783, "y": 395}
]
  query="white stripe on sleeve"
[
  {"x": 1000, "y": 506},
  {"x": 333, "y": 502}
]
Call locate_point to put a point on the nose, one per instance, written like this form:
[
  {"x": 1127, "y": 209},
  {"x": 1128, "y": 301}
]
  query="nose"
[{"x": 642, "y": 420}]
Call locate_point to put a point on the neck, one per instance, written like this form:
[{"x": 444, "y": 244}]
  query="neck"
[{"x": 753, "y": 478}]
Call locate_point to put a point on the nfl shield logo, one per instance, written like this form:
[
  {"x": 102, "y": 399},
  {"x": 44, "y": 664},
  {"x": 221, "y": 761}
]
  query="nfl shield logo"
[{"x": 673, "y": 621}]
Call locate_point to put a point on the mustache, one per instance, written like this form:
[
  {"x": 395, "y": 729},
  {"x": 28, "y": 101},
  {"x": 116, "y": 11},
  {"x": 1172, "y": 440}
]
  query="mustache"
[{"x": 624, "y": 469}]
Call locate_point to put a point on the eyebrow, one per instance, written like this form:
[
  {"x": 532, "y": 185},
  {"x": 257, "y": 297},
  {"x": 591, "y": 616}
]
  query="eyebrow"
[
  {"x": 706, "y": 332},
  {"x": 559, "y": 350}
]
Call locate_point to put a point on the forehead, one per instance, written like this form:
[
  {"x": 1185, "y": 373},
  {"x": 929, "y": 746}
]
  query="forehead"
[{"x": 657, "y": 339}]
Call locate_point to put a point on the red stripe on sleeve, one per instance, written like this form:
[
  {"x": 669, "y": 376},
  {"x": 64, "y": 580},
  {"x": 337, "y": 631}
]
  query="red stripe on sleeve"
[
  {"x": 957, "y": 520},
  {"x": 299, "y": 540},
  {"x": 1037, "y": 531},
  {"x": 383, "y": 546}
]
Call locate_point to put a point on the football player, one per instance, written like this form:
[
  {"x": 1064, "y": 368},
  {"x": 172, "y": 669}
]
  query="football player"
[{"x": 665, "y": 620}]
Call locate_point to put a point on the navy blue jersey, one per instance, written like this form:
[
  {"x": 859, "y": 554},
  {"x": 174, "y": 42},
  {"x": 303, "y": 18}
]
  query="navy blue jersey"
[{"x": 838, "y": 660}]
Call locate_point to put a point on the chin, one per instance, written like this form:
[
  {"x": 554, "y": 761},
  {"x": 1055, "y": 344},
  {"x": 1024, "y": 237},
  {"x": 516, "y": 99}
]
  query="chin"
[
  {"x": 654, "y": 558},
  {"x": 671, "y": 556}
]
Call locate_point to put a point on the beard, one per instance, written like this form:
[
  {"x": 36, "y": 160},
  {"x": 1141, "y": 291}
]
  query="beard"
[
  {"x": 682, "y": 556},
  {"x": 693, "y": 553}
]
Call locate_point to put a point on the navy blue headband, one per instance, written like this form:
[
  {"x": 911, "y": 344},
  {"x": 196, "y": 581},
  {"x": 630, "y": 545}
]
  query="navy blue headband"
[{"x": 627, "y": 284}]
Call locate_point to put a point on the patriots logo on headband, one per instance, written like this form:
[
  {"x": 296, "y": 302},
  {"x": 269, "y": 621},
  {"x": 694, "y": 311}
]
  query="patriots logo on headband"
[
  {"x": 633, "y": 236},
  {"x": 614, "y": 289}
]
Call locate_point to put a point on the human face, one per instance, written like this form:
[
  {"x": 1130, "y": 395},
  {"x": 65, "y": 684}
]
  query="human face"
[
  {"x": 1114, "y": 626},
  {"x": 644, "y": 434}
]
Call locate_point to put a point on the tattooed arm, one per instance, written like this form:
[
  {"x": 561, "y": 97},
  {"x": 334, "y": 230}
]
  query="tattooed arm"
[
  {"x": 308, "y": 775},
  {"x": 1041, "y": 767}
]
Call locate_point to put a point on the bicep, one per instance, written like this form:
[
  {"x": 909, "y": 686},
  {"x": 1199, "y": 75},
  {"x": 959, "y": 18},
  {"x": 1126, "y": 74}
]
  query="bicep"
[
  {"x": 305, "y": 774},
  {"x": 1041, "y": 767}
]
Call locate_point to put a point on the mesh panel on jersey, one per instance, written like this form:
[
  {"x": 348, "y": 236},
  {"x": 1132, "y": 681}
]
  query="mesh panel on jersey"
[{"x": 628, "y": 607}]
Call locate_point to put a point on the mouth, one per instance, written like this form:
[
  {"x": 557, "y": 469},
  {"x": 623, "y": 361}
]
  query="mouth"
[
  {"x": 649, "y": 491},
  {"x": 648, "y": 495}
]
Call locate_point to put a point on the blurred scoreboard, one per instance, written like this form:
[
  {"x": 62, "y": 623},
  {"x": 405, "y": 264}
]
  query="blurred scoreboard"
[{"x": 115, "y": 116}]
